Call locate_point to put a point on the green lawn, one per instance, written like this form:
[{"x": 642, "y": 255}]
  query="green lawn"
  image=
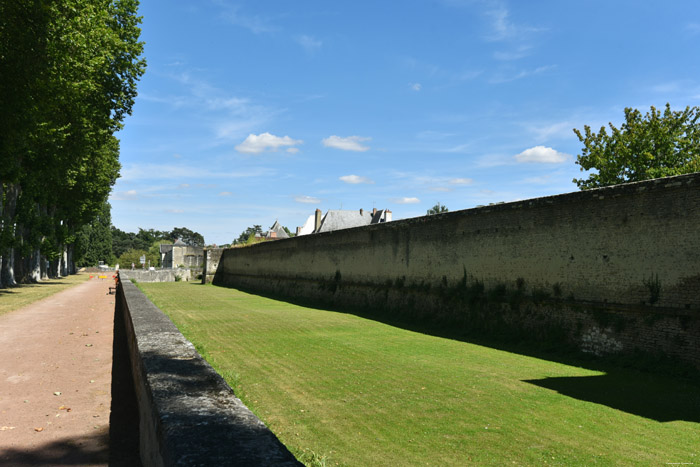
[
  {"x": 353, "y": 391},
  {"x": 13, "y": 298}
]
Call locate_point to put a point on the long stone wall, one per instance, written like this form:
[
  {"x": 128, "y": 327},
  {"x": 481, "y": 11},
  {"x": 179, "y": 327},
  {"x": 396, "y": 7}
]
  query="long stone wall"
[
  {"x": 187, "y": 414},
  {"x": 630, "y": 249}
]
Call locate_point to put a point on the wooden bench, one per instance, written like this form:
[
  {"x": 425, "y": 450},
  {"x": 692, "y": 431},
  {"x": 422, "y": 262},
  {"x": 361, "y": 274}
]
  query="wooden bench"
[{"x": 113, "y": 288}]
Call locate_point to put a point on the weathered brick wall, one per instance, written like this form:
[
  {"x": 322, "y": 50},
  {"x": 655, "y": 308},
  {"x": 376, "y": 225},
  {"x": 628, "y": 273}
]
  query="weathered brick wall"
[{"x": 627, "y": 245}]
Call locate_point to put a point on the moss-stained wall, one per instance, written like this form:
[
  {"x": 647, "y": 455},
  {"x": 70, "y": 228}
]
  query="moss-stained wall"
[{"x": 632, "y": 245}]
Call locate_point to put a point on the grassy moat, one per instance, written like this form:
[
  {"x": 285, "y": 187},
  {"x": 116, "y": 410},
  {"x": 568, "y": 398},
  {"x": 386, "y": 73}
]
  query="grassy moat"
[{"x": 344, "y": 390}]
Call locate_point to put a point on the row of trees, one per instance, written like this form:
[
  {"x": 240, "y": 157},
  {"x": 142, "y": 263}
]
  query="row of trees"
[
  {"x": 99, "y": 241},
  {"x": 68, "y": 78}
]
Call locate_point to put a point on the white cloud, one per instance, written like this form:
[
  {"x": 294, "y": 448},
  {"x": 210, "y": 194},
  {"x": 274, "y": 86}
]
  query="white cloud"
[
  {"x": 461, "y": 181},
  {"x": 355, "y": 179},
  {"x": 256, "y": 144},
  {"x": 292, "y": 150},
  {"x": 406, "y": 200},
  {"x": 543, "y": 155},
  {"x": 183, "y": 186},
  {"x": 175, "y": 211},
  {"x": 309, "y": 44},
  {"x": 225, "y": 193},
  {"x": 416, "y": 86},
  {"x": 307, "y": 200},
  {"x": 349, "y": 143}
]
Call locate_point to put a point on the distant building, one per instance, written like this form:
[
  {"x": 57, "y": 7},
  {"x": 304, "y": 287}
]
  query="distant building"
[
  {"x": 276, "y": 232},
  {"x": 336, "y": 219},
  {"x": 180, "y": 254}
]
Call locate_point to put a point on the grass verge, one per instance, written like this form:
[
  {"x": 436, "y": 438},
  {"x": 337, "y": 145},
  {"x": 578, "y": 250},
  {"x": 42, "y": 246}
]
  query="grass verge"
[
  {"x": 13, "y": 298},
  {"x": 339, "y": 389}
]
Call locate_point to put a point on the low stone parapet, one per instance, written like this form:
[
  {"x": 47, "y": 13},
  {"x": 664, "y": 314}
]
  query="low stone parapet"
[
  {"x": 161, "y": 275},
  {"x": 187, "y": 413}
]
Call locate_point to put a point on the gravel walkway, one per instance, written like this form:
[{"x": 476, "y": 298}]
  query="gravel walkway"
[{"x": 55, "y": 378}]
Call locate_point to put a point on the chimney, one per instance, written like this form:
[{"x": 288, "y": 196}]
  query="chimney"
[
  {"x": 387, "y": 216},
  {"x": 298, "y": 230},
  {"x": 374, "y": 212},
  {"x": 317, "y": 221},
  {"x": 362, "y": 212}
]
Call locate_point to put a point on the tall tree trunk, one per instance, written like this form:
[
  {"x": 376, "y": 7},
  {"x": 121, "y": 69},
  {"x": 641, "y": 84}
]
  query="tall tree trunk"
[
  {"x": 70, "y": 264},
  {"x": 63, "y": 271},
  {"x": 8, "y": 268},
  {"x": 34, "y": 271},
  {"x": 43, "y": 266},
  {"x": 9, "y": 208}
]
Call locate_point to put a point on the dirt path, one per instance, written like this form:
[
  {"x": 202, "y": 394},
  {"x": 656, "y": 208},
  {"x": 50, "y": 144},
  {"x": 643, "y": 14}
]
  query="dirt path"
[{"x": 55, "y": 379}]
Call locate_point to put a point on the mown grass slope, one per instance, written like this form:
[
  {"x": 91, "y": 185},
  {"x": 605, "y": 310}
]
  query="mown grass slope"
[{"x": 344, "y": 390}]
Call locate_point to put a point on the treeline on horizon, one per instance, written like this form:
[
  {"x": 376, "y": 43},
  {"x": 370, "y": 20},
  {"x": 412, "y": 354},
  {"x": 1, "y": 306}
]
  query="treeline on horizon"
[
  {"x": 100, "y": 241},
  {"x": 68, "y": 74}
]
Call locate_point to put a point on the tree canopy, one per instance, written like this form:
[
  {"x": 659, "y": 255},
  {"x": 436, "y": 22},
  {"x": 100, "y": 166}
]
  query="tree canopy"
[{"x": 646, "y": 146}]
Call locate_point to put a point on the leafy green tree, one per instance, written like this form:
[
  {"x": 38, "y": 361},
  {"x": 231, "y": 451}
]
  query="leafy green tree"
[
  {"x": 94, "y": 240},
  {"x": 437, "y": 209},
  {"x": 134, "y": 256},
  {"x": 645, "y": 146},
  {"x": 248, "y": 233},
  {"x": 121, "y": 241},
  {"x": 69, "y": 73},
  {"x": 187, "y": 236}
]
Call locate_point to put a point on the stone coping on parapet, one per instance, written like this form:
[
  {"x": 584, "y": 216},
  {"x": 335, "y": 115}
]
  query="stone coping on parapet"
[
  {"x": 611, "y": 191},
  {"x": 188, "y": 414}
]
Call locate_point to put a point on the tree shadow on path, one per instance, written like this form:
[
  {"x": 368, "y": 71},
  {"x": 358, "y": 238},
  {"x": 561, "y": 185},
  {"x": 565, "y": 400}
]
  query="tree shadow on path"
[{"x": 86, "y": 450}]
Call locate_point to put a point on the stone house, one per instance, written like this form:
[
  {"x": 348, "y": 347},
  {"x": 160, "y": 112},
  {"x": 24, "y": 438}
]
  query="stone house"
[{"x": 180, "y": 254}]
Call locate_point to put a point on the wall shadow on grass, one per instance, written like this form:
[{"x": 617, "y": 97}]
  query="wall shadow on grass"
[
  {"x": 649, "y": 386},
  {"x": 645, "y": 396}
]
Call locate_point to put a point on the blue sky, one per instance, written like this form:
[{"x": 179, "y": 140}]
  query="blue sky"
[{"x": 251, "y": 112}]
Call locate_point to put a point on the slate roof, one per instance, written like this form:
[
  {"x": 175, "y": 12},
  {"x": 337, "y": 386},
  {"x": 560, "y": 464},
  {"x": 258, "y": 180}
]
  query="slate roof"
[
  {"x": 278, "y": 230},
  {"x": 337, "y": 220}
]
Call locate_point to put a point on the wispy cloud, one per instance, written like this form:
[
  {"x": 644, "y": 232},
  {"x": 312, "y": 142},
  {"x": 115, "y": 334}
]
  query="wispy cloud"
[
  {"x": 256, "y": 144},
  {"x": 124, "y": 195},
  {"x": 461, "y": 181},
  {"x": 307, "y": 200},
  {"x": 225, "y": 193},
  {"x": 502, "y": 27},
  {"x": 504, "y": 78},
  {"x": 517, "y": 53},
  {"x": 542, "y": 155},
  {"x": 355, "y": 179},
  {"x": 309, "y": 43},
  {"x": 556, "y": 130},
  {"x": 136, "y": 172},
  {"x": 416, "y": 86},
  {"x": 348, "y": 143},
  {"x": 405, "y": 200},
  {"x": 692, "y": 29},
  {"x": 234, "y": 15}
]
